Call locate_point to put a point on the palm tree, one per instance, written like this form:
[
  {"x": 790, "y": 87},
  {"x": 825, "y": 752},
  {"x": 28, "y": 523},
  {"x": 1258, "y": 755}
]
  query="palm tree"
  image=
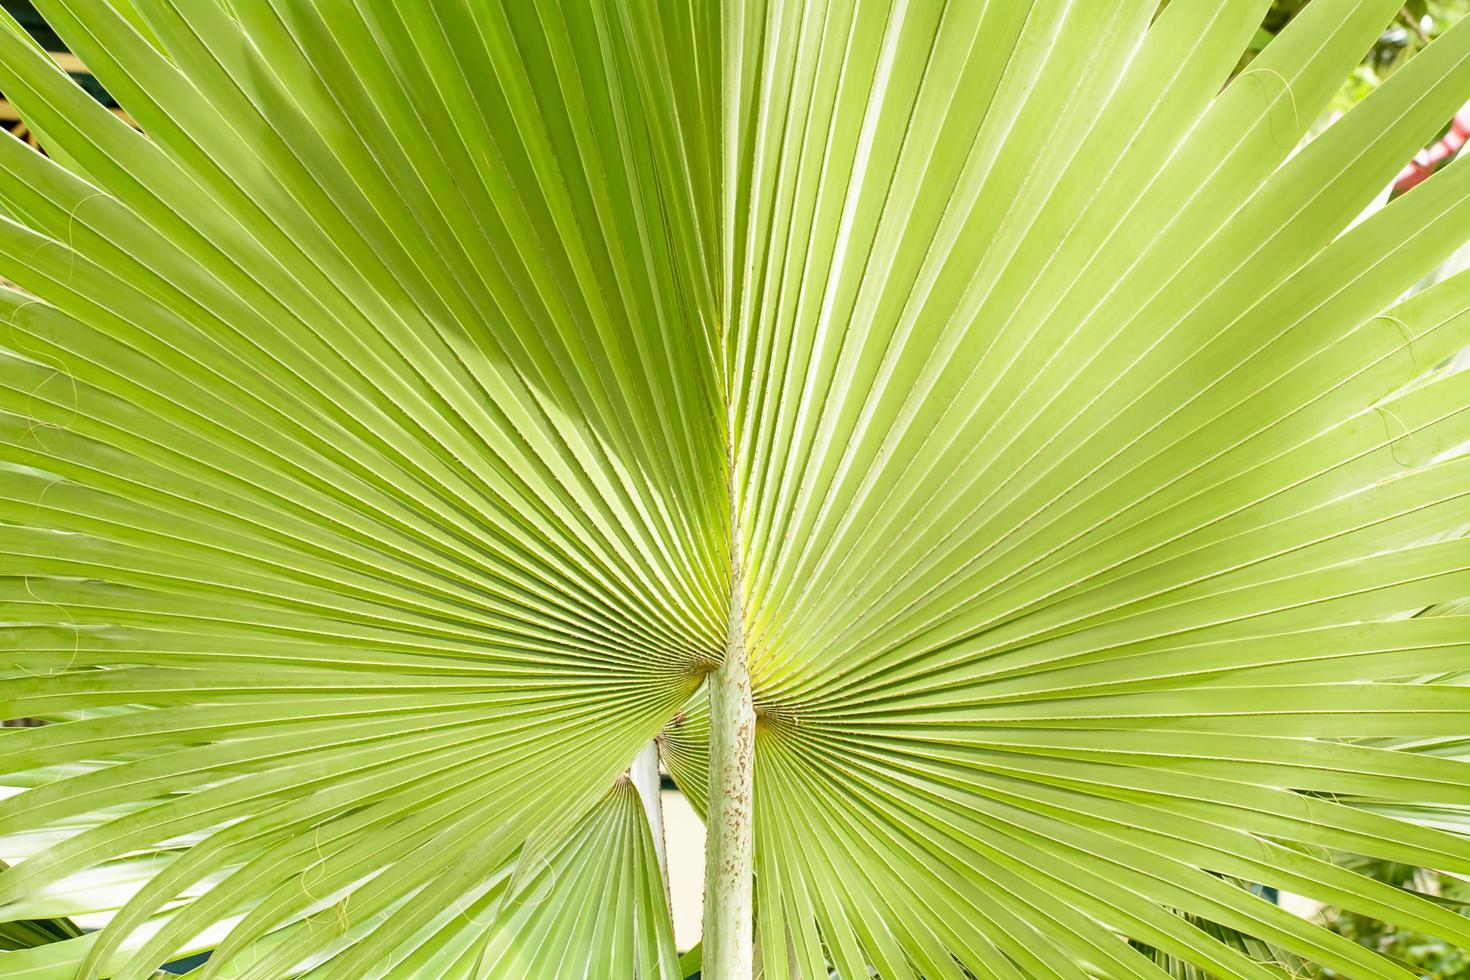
[{"x": 980, "y": 450}]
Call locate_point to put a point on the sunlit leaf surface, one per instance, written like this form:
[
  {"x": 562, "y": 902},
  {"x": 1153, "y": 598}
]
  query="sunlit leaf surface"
[{"x": 367, "y": 421}]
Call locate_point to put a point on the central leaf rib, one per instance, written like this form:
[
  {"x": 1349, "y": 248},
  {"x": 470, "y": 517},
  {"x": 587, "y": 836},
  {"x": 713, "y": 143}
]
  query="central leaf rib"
[{"x": 728, "y": 925}]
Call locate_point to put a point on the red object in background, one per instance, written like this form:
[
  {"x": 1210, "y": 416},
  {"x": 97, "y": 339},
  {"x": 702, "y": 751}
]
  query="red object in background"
[{"x": 1431, "y": 158}]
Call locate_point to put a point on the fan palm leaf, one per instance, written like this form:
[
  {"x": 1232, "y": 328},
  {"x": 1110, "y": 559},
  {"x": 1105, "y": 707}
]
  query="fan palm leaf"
[{"x": 997, "y": 402}]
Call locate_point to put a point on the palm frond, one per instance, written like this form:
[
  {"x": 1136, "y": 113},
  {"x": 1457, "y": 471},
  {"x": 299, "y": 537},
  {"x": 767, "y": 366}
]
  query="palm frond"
[{"x": 373, "y": 419}]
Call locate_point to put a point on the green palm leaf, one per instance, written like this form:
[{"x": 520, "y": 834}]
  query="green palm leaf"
[{"x": 401, "y": 427}]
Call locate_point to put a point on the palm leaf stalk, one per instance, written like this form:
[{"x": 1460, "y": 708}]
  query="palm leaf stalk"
[{"x": 976, "y": 442}]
